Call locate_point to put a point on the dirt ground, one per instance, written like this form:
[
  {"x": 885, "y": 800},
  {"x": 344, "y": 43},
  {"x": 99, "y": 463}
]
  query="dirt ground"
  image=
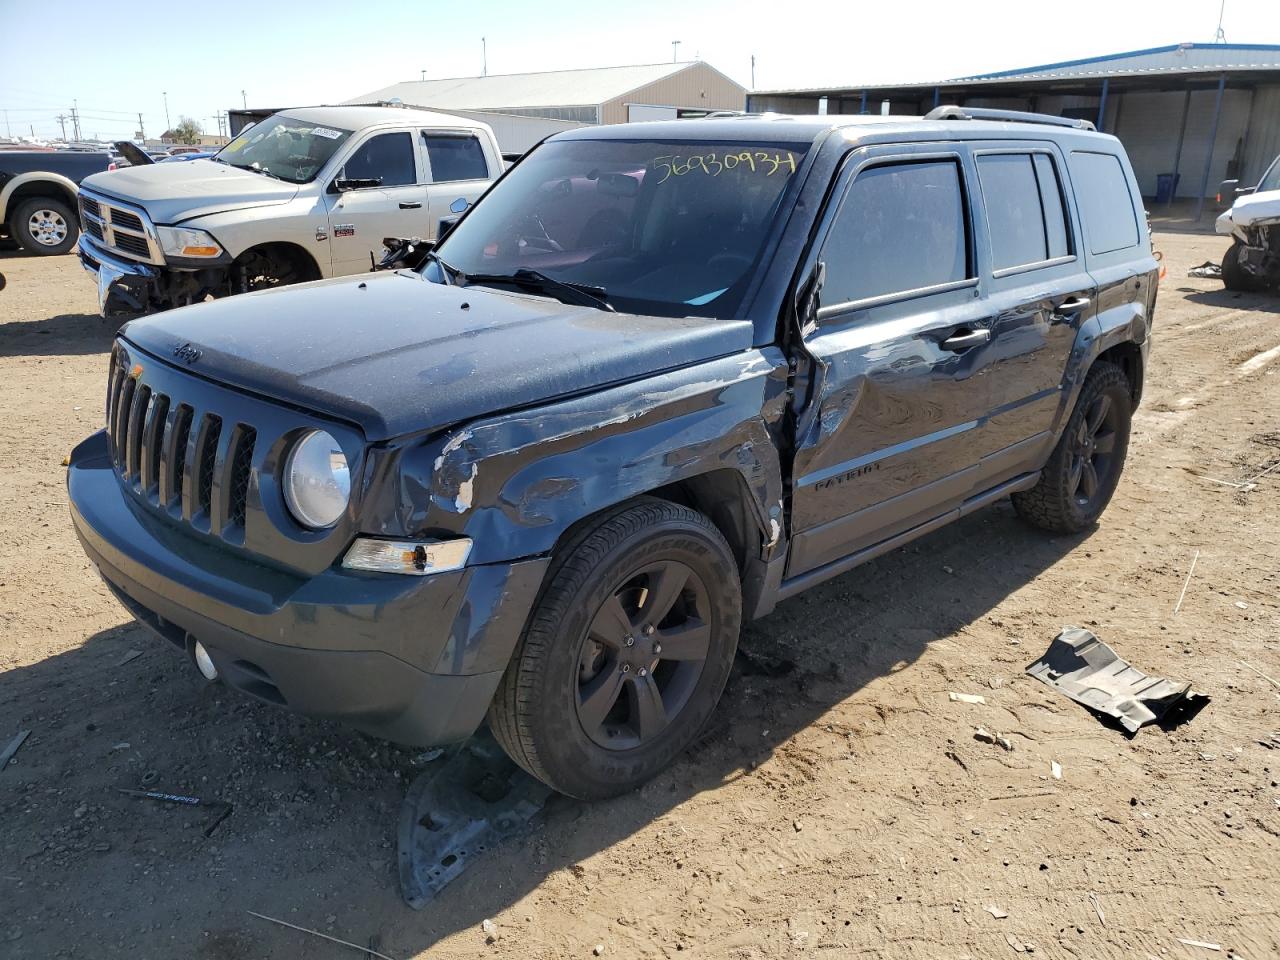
[{"x": 838, "y": 807}]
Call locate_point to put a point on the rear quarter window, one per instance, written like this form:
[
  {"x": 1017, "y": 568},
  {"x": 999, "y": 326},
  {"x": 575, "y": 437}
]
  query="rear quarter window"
[{"x": 1106, "y": 205}]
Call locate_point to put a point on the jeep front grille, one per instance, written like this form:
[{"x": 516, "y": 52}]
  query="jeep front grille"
[
  {"x": 174, "y": 457},
  {"x": 119, "y": 228}
]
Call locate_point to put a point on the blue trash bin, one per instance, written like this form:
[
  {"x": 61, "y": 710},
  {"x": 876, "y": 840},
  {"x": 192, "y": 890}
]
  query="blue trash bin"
[{"x": 1166, "y": 187}]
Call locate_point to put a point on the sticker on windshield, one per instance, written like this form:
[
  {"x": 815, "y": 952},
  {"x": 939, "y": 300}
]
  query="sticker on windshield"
[
  {"x": 713, "y": 164},
  {"x": 326, "y": 133}
]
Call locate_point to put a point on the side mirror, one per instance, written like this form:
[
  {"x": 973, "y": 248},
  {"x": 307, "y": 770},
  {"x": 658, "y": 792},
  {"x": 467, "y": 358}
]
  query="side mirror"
[
  {"x": 445, "y": 225},
  {"x": 460, "y": 205},
  {"x": 343, "y": 184}
]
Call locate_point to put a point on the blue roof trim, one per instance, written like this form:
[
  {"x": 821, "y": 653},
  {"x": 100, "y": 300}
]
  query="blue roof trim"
[{"x": 1117, "y": 56}]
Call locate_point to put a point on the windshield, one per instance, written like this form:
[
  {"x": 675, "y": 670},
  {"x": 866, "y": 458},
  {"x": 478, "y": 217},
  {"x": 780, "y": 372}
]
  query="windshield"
[
  {"x": 667, "y": 228},
  {"x": 1271, "y": 179},
  {"x": 284, "y": 148}
]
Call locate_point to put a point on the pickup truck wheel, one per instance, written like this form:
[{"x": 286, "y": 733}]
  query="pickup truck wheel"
[
  {"x": 263, "y": 269},
  {"x": 44, "y": 226},
  {"x": 1077, "y": 483},
  {"x": 626, "y": 653},
  {"x": 1235, "y": 277}
]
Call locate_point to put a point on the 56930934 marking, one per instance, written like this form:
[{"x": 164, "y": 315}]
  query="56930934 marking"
[{"x": 713, "y": 164}]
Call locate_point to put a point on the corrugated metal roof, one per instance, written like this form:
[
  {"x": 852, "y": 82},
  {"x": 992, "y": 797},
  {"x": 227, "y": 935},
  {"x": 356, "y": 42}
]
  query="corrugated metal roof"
[
  {"x": 515, "y": 91},
  {"x": 1174, "y": 60}
]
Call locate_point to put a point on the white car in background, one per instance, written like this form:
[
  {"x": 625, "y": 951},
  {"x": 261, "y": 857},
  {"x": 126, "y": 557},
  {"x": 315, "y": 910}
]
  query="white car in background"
[
  {"x": 1253, "y": 262},
  {"x": 303, "y": 195}
]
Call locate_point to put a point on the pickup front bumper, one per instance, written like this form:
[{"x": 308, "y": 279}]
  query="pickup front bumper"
[
  {"x": 410, "y": 659},
  {"x": 122, "y": 284}
]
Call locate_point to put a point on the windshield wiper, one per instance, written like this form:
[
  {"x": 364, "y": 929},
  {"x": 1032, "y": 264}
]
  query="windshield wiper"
[
  {"x": 569, "y": 292},
  {"x": 251, "y": 167},
  {"x": 451, "y": 273}
]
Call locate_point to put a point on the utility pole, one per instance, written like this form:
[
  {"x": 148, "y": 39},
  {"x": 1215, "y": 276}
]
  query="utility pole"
[
  {"x": 7, "y": 132},
  {"x": 753, "y": 71},
  {"x": 167, "y": 124},
  {"x": 75, "y": 117},
  {"x": 244, "y": 101},
  {"x": 675, "y": 50},
  {"x": 424, "y": 76},
  {"x": 484, "y": 53},
  {"x": 62, "y": 122},
  {"x": 142, "y": 131}
]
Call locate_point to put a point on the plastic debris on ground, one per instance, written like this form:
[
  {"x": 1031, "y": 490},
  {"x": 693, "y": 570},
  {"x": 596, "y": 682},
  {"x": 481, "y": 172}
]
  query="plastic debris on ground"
[
  {"x": 1206, "y": 271},
  {"x": 1082, "y": 667},
  {"x": 456, "y": 810}
]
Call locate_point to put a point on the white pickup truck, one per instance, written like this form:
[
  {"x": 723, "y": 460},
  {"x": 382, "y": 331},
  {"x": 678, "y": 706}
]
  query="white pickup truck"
[
  {"x": 303, "y": 195},
  {"x": 1252, "y": 264}
]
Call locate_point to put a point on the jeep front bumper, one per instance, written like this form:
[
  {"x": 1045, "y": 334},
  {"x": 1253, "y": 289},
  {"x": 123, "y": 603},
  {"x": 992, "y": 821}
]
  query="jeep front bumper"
[{"x": 410, "y": 659}]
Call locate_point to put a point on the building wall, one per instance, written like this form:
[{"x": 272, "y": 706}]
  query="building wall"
[
  {"x": 698, "y": 87},
  {"x": 1263, "y": 144}
]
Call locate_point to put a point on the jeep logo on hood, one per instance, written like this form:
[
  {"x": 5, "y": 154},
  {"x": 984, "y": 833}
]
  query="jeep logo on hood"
[{"x": 186, "y": 353}]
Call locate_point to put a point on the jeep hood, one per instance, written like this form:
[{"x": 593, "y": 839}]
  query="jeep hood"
[
  {"x": 396, "y": 354},
  {"x": 176, "y": 192}
]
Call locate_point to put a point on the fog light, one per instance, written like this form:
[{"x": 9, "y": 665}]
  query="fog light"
[
  {"x": 415, "y": 559},
  {"x": 204, "y": 663}
]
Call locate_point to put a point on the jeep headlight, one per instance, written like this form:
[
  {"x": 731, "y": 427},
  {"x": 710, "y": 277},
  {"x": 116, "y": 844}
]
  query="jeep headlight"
[
  {"x": 317, "y": 480},
  {"x": 185, "y": 242}
]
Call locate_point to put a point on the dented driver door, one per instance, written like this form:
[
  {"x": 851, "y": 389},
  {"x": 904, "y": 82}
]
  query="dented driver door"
[{"x": 899, "y": 350}]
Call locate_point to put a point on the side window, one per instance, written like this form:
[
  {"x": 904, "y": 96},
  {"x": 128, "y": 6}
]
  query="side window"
[
  {"x": 1024, "y": 208},
  {"x": 901, "y": 227},
  {"x": 1105, "y": 203},
  {"x": 1055, "y": 213},
  {"x": 388, "y": 157},
  {"x": 455, "y": 158}
]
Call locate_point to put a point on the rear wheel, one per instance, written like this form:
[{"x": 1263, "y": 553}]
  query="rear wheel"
[
  {"x": 1076, "y": 484},
  {"x": 1234, "y": 275},
  {"x": 44, "y": 226},
  {"x": 626, "y": 653}
]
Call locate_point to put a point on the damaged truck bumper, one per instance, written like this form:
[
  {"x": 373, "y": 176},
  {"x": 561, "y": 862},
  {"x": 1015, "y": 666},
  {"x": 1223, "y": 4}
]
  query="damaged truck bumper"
[
  {"x": 122, "y": 286},
  {"x": 415, "y": 660}
]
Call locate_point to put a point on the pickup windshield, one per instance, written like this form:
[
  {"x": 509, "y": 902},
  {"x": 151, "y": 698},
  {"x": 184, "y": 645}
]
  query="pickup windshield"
[
  {"x": 1271, "y": 179},
  {"x": 670, "y": 228},
  {"x": 284, "y": 148}
]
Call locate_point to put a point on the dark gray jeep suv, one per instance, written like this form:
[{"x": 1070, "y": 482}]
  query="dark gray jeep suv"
[{"x": 661, "y": 377}]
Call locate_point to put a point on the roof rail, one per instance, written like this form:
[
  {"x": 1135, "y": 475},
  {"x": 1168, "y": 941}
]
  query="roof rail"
[{"x": 1012, "y": 116}]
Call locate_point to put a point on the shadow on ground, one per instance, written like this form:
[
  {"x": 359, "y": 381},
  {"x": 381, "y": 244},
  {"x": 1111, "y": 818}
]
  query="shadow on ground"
[
  {"x": 1228, "y": 299},
  {"x": 311, "y": 836}
]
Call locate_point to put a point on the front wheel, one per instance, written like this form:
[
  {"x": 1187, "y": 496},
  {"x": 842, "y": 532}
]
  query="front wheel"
[
  {"x": 1235, "y": 276},
  {"x": 626, "y": 653},
  {"x": 1076, "y": 484},
  {"x": 45, "y": 227}
]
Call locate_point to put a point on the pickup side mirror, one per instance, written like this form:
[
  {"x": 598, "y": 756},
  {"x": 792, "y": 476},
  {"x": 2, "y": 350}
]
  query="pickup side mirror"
[{"x": 343, "y": 184}]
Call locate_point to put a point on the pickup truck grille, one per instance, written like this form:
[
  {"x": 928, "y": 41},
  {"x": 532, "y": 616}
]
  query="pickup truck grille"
[
  {"x": 119, "y": 229},
  {"x": 174, "y": 455}
]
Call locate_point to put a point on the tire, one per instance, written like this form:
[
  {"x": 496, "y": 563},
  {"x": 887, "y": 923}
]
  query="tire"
[
  {"x": 264, "y": 268},
  {"x": 44, "y": 227},
  {"x": 1082, "y": 472},
  {"x": 576, "y": 707},
  {"x": 1235, "y": 277}
]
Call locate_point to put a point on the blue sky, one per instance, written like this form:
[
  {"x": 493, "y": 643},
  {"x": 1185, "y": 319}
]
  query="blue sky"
[{"x": 119, "y": 57}]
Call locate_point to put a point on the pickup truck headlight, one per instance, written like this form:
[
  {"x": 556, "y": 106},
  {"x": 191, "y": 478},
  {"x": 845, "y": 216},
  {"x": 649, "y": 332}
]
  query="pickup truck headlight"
[
  {"x": 317, "y": 480},
  {"x": 185, "y": 242}
]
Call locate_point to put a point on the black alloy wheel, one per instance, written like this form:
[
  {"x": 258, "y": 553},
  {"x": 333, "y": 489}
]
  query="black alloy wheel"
[{"x": 642, "y": 655}]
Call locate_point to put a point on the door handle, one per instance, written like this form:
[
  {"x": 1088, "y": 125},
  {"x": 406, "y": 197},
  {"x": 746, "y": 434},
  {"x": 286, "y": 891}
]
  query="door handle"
[
  {"x": 963, "y": 341},
  {"x": 1072, "y": 306},
  {"x": 410, "y": 205}
]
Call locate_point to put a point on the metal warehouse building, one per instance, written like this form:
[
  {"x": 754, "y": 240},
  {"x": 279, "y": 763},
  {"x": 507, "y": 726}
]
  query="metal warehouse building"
[
  {"x": 655, "y": 91},
  {"x": 1197, "y": 113}
]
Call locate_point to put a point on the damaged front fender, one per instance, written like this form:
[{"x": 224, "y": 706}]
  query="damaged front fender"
[{"x": 515, "y": 482}]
